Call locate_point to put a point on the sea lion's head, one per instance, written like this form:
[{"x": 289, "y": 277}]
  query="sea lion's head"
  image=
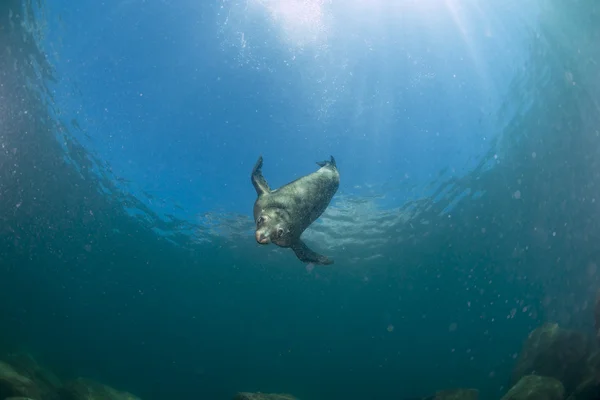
[{"x": 271, "y": 227}]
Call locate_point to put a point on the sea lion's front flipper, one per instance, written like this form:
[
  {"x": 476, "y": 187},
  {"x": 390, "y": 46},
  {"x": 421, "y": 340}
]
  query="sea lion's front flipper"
[
  {"x": 305, "y": 254},
  {"x": 258, "y": 180}
]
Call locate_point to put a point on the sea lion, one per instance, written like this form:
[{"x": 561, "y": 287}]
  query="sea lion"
[{"x": 281, "y": 215}]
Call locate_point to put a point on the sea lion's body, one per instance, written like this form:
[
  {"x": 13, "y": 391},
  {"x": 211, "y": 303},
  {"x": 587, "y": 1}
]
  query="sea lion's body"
[{"x": 281, "y": 215}]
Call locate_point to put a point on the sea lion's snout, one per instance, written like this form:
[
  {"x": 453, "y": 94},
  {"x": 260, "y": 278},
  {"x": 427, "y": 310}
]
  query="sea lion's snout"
[{"x": 261, "y": 238}]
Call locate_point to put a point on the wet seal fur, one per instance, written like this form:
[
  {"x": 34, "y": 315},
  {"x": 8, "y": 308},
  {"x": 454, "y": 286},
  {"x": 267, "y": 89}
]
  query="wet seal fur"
[{"x": 281, "y": 215}]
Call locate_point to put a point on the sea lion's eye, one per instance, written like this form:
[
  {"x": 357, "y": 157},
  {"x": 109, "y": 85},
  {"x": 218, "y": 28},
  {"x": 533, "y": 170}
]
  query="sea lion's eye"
[
  {"x": 279, "y": 231},
  {"x": 260, "y": 220}
]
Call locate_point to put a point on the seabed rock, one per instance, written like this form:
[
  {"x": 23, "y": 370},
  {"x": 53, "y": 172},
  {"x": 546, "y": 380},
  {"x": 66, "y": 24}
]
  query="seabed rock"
[
  {"x": 46, "y": 382},
  {"x": 457, "y": 394},
  {"x": 535, "y": 387},
  {"x": 14, "y": 384},
  {"x": 554, "y": 363},
  {"x": 18, "y": 398},
  {"x": 28, "y": 366},
  {"x": 22, "y": 378},
  {"x": 557, "y": 353},
  {"x": 589, "y": 387},
  {"x": 87, "y": 389},
  {"x": 263, "y": 396}
]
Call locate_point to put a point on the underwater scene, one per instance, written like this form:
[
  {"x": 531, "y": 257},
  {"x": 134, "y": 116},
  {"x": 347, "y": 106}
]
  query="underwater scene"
[{"x": 299, "y": 199}]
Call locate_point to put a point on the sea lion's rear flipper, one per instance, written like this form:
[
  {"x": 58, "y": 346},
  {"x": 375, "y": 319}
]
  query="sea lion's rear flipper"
[
  {"x": 305, "y": 254},
  {"x": 258, "y": 180},
  {"x": 325, "y": 163}
]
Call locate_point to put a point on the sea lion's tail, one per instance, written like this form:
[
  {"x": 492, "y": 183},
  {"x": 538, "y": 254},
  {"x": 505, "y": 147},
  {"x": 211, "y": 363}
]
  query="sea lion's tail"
[{"x": 325, "y": 163}]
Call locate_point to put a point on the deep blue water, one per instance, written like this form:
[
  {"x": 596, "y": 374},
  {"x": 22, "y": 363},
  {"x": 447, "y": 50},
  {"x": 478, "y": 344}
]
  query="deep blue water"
[{"x": 466, "y": 138}]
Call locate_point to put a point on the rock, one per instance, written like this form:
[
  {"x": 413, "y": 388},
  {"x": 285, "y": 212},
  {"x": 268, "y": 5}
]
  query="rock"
[
  {"x": 13, "y": 384},
  {"x": 589, "y": 388},
  {"x": 46, "y": 382},
  {"x": 18, "y": 398},
  {"x": 535, "y": 387},
  {"x": 263, "y": 396},
  {"x": 457, "y": 394},
  {"x": 554, "y": 352},
  {"x": 86, "y": 389},
  {"x": 28, "y": 366},
  {"x": 452, "y": 394}
]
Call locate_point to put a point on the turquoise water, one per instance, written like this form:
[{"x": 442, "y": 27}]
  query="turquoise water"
[{"x": 466, "y": 136}]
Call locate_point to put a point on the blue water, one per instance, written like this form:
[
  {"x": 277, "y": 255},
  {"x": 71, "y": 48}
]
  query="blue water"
[
  {"x": 180, "y": 77},
  {"x": 464, "y": 136}
]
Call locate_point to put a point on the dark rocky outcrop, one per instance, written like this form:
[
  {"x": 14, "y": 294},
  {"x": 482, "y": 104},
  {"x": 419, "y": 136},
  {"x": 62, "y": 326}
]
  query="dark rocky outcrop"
[
  {"x": 589, "y": 386},
  {"x": 535, "y": 387},
  {"x": 452, "y": 394},
  {"x": 554, "y": 364},
  {"x": 46, "y": 382},
  {"x": 86, "y": 389},
  {"x": 263, "y": 396},
  {"x": 22, "y": 378},
  {"x": 27, "y": 365},
  {"x": 457, "y": 394},
  {"x": 557, "y": 353},
  {"x": 14, "y": 384},
  {"x": 18, "y": 398}
]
